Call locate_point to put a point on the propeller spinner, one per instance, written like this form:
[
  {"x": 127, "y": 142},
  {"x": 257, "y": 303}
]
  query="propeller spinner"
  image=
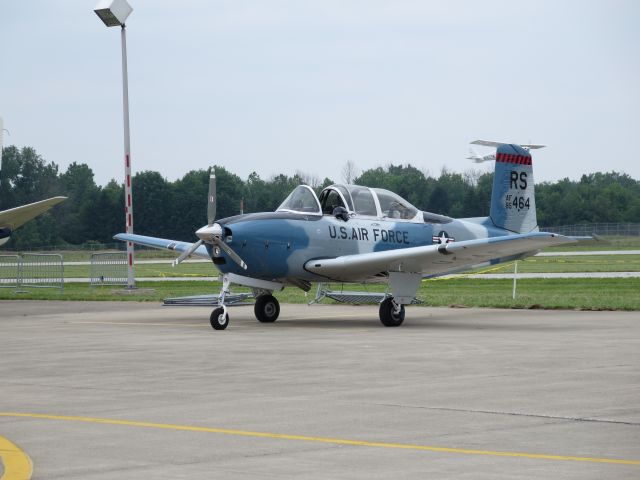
[{"x": 212, "y": 233}]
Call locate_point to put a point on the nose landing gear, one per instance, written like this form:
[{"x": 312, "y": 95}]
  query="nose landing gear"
[
  {"x": 219, "y": 318},
  {"x": 266, "y": 308}
]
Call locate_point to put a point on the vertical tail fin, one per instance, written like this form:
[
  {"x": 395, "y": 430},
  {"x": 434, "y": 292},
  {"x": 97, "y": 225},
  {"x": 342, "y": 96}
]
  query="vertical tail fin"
[{"x": 513, "y": 202}]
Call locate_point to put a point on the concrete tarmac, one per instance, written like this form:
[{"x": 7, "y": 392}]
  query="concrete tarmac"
[{"x": 101, "y": 390}]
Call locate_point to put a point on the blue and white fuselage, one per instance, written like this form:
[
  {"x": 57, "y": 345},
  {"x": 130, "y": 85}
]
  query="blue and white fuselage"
[{"x": 278, "y": 246}]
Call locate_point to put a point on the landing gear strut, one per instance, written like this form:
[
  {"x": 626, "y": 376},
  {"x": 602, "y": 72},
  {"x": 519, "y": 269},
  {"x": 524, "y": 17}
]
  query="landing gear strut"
[
  {"x": 391, "y": 314},
  {"x": 266, "y": 308},
  {"x": 219, "y": 317}
]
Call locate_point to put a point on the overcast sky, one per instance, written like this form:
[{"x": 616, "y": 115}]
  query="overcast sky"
[{"x": 280, "y": 86}]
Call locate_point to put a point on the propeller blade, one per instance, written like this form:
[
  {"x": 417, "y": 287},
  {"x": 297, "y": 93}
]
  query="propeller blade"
[
  {"x": 227, "y": 249},
  {"x": 187, "y": 253},
  {"x": 212, "y": 233},
  {"x": 211, "y": 205}
]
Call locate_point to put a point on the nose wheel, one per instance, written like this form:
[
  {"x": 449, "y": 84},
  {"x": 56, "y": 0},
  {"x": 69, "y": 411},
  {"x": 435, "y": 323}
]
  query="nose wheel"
[
  {"x": 266, "y": 308},
  {"x": 219, "y": 318}
]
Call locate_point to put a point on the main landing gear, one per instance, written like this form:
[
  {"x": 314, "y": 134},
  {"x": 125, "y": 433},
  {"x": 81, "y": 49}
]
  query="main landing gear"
[
  {"x": 266, "y": 308},
  {"x": 391, "y": 313}
]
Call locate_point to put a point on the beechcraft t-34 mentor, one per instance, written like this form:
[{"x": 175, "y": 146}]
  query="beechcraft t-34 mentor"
[
  {"x": 352, "y": 233},
  {"x": 18, "y": 216}
]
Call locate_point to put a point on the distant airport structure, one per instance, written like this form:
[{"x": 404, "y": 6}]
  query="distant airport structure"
[{"x": 1, "y": 144}]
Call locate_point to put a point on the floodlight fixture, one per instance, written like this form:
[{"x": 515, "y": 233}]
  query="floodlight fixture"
[{"x": 113, "y": 12}]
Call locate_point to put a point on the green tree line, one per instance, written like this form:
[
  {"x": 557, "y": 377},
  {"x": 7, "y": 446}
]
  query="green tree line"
[{"x": 162, "y": 208}]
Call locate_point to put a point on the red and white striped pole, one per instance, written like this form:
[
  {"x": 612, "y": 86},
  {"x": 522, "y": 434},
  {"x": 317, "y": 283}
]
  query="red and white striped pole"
[{"x": 128, "y": 196}]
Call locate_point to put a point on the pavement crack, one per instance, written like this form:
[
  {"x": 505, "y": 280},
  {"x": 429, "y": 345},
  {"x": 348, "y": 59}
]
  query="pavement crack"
[
  {"x": 514, "y": 414},
  {"x": 293, "y": 452}
]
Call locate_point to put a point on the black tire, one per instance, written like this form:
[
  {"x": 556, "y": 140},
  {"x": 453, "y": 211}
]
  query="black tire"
[
  {"x": 266, "y": 308},
  {"x": 218, "y": 322},
  {"x": 387, "y": 315}
]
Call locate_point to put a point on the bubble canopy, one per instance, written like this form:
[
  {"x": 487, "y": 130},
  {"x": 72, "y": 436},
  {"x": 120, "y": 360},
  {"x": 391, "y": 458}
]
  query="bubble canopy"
[{"x": 358, "y": 200}]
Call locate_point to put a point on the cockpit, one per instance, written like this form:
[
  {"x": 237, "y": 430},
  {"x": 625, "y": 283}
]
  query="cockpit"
[{"x": 355, "y": 199}]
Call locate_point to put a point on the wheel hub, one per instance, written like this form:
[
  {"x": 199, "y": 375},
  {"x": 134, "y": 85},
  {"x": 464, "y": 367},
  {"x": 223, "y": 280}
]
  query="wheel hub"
[{"x": 269, "y": 309}]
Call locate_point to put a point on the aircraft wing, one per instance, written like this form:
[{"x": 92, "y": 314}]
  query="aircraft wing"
[
  {"x": 162, "y": 243},
  {"x": 15, "y": 217},
  {"x": 434, "y": 260}
]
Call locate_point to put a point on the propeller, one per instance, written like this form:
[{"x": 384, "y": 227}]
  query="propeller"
[
  {"x": 212, "y": 233},
  {"x": 211, "y": 204}
]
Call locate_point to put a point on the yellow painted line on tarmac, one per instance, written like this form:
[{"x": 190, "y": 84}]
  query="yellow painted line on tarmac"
[
  {"x": 17, "y": 464},
  {"x": 327, "y": 440}
]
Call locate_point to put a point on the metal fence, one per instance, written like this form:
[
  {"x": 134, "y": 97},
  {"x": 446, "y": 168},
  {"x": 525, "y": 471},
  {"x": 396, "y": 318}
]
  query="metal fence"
[
  {"x": 584, "y": 229},
  {"x": 41, "y": 270},
  {"x": 108, "y": 268},
  {"x": 34, "y": 270},
  {"x": 87, "y": 247},
  {"x": 9, "y": 271}
]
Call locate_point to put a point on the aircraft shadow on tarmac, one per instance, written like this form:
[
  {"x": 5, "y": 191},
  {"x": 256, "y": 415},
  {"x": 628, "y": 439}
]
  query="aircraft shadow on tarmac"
[{"x": 417, "y": 323}]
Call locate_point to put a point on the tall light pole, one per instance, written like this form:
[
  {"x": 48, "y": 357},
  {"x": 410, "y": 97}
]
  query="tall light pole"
[{"x": 114, "y": 13}]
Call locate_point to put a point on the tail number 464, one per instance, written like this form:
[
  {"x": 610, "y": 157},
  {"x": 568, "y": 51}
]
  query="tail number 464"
[{"x": 517, "y": 202}]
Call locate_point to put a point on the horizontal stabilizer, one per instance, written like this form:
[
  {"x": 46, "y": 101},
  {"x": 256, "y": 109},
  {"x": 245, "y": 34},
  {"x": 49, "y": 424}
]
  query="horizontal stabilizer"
[{"x": 488, "y": 143}]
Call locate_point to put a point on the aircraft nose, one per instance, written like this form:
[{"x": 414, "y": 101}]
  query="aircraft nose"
[{"x": 208, "y": 232}]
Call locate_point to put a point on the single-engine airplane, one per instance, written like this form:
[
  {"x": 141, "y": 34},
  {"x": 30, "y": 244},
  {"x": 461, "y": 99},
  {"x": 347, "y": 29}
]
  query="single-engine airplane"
[
  {"x": 352, "y": 233},
  {"x": 18, "y": 216}
]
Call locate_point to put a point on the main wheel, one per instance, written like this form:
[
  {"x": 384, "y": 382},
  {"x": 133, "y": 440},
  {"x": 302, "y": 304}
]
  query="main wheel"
[
  {"x": 388, "y": 316},
  {"x": 219, "y": 320},
  {"x": 266, "y": 308}
]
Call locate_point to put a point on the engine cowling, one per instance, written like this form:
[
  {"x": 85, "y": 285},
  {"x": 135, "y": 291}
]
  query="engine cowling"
[{"x": 5, "y": 234}]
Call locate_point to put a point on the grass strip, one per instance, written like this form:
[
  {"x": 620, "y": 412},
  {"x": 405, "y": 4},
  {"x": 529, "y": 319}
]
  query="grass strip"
[{"x": 585, "y": 294}]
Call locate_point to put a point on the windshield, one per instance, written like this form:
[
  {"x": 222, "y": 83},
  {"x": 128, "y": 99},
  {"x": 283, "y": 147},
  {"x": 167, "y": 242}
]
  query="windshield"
[
  {"x": 303, "y": 199},
  {"x": 330, "y": 199}
]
